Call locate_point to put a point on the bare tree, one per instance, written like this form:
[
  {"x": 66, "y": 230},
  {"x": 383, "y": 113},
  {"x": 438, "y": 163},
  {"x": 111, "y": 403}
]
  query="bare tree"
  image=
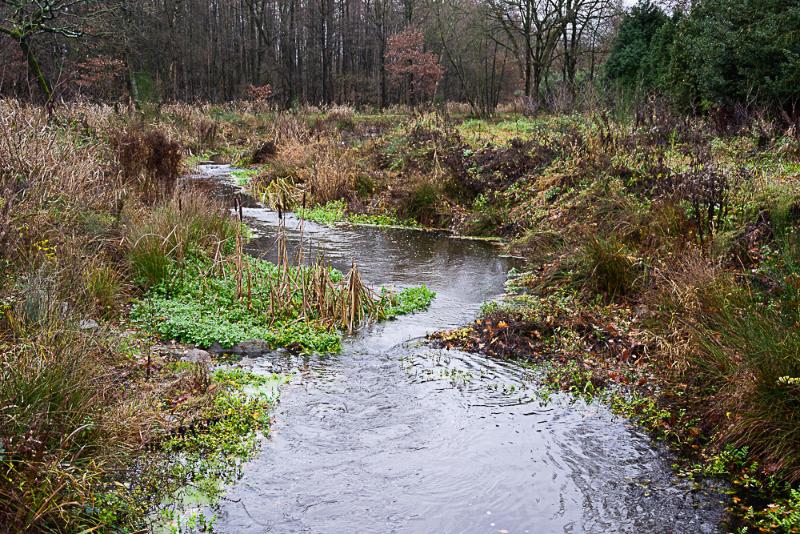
[
  {"x": 24, "y": 20},
  {"x": 475, "y": 51},
  {"x": 533, "y": 28},
  {"x": 318, "y": 51}
]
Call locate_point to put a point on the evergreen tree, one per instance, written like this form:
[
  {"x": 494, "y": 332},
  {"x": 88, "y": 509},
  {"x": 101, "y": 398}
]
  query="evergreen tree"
[{"x": 631, "y": 48}]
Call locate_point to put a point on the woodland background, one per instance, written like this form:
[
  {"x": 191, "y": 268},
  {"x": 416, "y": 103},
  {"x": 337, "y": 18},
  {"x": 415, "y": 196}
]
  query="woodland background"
[{"x": 726, "y": 56}]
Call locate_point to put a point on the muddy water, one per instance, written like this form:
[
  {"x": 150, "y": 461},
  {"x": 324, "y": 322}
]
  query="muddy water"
[{"x": 394, "y": 436}]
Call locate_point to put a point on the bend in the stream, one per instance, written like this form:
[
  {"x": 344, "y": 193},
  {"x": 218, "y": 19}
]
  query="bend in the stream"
[{"x": 394, "y": 436}]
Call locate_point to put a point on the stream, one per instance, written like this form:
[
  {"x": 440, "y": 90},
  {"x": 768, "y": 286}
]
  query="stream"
[{"x": 393, "y": 436}]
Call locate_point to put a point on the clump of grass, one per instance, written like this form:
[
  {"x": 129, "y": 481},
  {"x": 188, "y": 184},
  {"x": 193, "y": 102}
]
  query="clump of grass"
[
  {"x": 537, "y": 244},
  {"x": 610, "y": 267},
  {"x": 104, "y": 287},
  {"x": 420, "y": 204},
  {"x": 748, "y": 361},
  {"x": 332, "y": 174},
  {"x": 50, "y": 176},
  {"x": 64, "y": 427},
  {"x": 183, "y": 228}
]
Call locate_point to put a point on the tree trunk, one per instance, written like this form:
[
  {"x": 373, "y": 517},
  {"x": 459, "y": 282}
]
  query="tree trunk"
[{"x": 36, "y": 69}]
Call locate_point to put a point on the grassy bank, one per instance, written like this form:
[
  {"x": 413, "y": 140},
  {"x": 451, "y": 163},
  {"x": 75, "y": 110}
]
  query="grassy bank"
[{"x": 662, "y": 259}]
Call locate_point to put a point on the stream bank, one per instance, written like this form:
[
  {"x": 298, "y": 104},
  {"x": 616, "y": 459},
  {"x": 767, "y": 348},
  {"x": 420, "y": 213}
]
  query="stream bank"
[{"x": 393, "y": 435}]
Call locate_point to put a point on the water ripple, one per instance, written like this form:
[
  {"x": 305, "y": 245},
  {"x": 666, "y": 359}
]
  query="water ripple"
[{"x": 393, "y": 436}]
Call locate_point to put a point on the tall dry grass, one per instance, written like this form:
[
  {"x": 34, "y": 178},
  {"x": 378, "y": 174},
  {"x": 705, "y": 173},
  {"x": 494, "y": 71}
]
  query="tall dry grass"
[
  {"x": 67, "y": 427},
  {"x": 71, "y": 416},
  {"x": 186, "y": 226},
  {"x": 315, "y": 172}
]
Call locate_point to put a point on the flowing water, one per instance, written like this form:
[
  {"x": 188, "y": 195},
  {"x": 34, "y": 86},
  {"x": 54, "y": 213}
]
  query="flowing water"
[{"x": 392, "y": 435}]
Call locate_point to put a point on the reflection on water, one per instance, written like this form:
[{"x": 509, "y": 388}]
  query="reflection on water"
[{"x": 393, "y": 436}]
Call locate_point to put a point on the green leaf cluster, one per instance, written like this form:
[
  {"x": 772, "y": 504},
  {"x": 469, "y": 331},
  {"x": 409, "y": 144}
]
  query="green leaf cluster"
[{"x": 721, "y": 53}]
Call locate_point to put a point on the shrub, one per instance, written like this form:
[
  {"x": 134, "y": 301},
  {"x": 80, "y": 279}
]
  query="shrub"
[
  {"x": 149, "y": 161},
  {"x": 538, "y": 244},
  {"x": 420, "y": 203}
]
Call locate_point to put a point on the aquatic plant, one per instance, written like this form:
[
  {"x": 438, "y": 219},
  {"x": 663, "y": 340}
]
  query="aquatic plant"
[
  {"x": 336, "y": 211},
  {"x": 381, "y": 219},
  {"x": 327, "y": 214},
  {"x": 241, "y": 298},
  {"x": 244, "y": 176}
]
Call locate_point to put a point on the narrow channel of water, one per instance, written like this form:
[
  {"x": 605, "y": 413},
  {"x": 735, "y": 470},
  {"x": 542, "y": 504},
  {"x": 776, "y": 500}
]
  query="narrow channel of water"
[{"x": 394, "y": 436}]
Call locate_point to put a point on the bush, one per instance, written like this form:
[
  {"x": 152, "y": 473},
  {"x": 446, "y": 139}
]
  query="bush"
[
  {"x": 149, "y": 161},
  {"x": 420, "y": 203},
  {"x": 726, "y": 54}
]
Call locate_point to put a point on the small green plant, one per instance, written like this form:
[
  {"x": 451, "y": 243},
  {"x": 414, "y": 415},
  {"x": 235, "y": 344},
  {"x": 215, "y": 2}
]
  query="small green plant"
[
  {"x": 782, "y": 516},
  {"x": 381, "y": 220},
  {"x": 327, "y": 214},
  {"x": 747, "y": 346},
  {"x": 182, "y": 229},
  {"x": 553, "y": 193},
  {"x": 203, "y": 461},
  {"x": 408, "y": 300},
  {"x": 244, "y": 176}
]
